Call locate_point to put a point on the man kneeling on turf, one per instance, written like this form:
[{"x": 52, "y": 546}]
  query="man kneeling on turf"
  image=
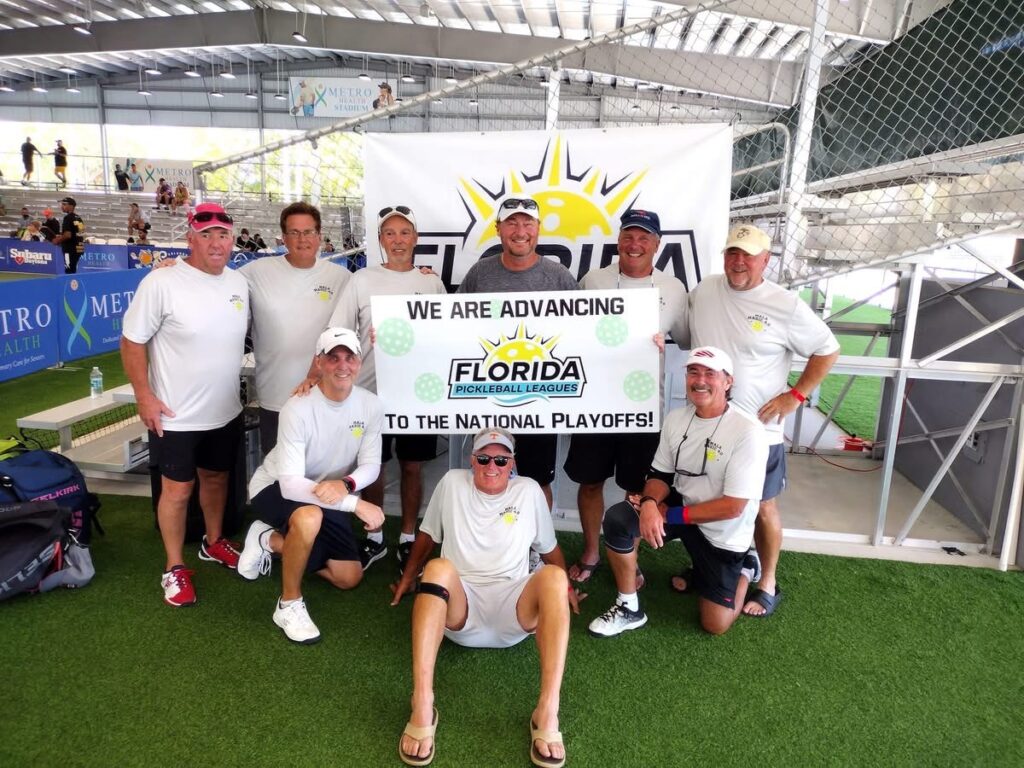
[
  {"x": 480, "y": 593},
  {"x": 704, "y": 487},
  {"x": 328, "y": 447}
]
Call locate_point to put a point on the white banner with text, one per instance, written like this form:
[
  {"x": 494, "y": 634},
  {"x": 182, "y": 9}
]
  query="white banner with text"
[
  {"x": 584, "y": 180},
  {"x": 565, "y": 361}
]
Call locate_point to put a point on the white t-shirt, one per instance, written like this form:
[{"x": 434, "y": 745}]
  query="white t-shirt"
[
  {"x": 353, "y": 310},
  {"x": 488, "y": 538},
  {"x": 736, "y": 457},
  {"x": 193, "y": 325},
  {"x": 760, "y": 329},
  {"x": 320, "y": 439},
  {"x": 290, "y": 308},
  {"x": 673, "y": 312}
]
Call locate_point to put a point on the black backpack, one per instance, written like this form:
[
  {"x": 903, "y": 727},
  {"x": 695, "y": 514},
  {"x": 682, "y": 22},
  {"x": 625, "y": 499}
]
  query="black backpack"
[{"x": 32, "y": 537}]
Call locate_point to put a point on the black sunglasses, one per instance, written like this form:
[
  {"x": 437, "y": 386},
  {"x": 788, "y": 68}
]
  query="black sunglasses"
[
  {"x": 703, "y": 464},
  {"x": 402, "y": 209},
  {"x": 499, "y": 461},
  {"x": 519, "y": 202},
  {"x": 205, "y": 216}
]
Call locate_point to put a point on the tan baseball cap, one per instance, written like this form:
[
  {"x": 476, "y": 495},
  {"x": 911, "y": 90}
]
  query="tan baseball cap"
[{"x": 748, "y": 238}]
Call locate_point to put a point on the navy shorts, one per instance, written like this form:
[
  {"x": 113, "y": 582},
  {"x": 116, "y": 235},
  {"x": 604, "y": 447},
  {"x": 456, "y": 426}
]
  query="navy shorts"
[
  {"x": 774, "y": 473},
  {"x": 716, "y": 571},
  {"x": 594, "y": 458},
  {"x": 536, "y": 456},
  {"x": 178, "y": 454},
  {"x": 335, "y": 541},
  {"x": 409, "y": 447}
]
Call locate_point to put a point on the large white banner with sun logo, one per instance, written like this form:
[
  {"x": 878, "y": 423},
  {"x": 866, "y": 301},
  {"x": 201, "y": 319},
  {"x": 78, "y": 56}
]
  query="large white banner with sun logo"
[
  {"x": 565, "y": 361},
  {"x": 584, "y": 180}
]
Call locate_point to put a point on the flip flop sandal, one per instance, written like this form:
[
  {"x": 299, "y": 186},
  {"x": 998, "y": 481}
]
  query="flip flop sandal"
[
  {"x": 766, "y": 601},
  {"x": 549, "y": 737},
  {"x": 686, "y": 575},
  {"x": 419, "y": 732},
  {"x": 586, "y": 571}
]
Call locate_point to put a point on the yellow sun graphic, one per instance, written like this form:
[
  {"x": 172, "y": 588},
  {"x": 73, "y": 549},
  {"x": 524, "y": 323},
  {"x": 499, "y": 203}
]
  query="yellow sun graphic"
[
  {"x": 520, "y": 348},
  {"x": 572, "y": 208}
]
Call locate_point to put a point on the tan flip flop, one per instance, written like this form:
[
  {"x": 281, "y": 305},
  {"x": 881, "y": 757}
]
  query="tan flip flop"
[
  {"x": 419, "y": 732},
  {"x": 549, "y": 737}
]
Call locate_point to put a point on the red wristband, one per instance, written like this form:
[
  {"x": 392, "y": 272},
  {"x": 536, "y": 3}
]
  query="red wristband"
[
  {"x": 686, "y": 515},
  {"x": 797, "y": 394}
]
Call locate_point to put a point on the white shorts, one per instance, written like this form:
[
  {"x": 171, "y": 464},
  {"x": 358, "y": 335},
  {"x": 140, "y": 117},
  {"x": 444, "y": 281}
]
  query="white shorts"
[{"x": 491, "y": 620}]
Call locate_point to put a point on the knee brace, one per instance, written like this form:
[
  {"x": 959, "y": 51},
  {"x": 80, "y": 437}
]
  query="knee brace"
[
  {"x": 621, "y": 527},
  {"x": 428, "y": 588}
]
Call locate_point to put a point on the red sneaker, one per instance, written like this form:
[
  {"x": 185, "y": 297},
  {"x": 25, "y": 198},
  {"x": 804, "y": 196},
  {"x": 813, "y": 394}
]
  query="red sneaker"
[
  {"x": 178, "y": 589},
  {"x": 221, "y": 551}
]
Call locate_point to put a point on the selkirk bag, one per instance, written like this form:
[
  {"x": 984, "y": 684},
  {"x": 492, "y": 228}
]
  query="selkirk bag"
[
  {"x": 32, "y": 536},
  {"x": 48, "y": 476}
]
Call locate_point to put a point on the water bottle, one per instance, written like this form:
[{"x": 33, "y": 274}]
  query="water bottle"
[{"x": 95, "y": 382}]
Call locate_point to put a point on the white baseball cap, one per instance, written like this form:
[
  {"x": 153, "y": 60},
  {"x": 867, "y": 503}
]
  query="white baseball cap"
[
  {"x": 711, "y": 357},
  {"x": 494, "y": 436},
  {"x": 518, "y": 204},
  {"x": 748, "y": 238},
  {"x": 337, "y": 337},
  {"x": 396, "y": 210}
]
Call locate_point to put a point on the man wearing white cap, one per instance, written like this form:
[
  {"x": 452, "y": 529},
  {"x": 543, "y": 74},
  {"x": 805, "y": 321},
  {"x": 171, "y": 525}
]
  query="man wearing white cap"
[
  {"x": 397, "y": 275},
  {"x": 181, "y": 346},
  {"x": 762, "y": 325},
  {"x": 703, "y": 487},
  {"x": 479, "y": 593},
  {"x": 520, "y": 268},
  {"x": 305, "y": 491}
]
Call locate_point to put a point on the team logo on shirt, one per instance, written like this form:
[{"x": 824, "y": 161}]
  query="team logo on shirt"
[
  {"x": 236, "y": 302},
  {"x": 357, "y": 428},
  {"x": 713, "y": 451},
  {"x": 515, "y": 370},
  {"x": 323, "y": 292},
  {"x": 758, "y": 322},
  {"x": 510, "y": 515}
]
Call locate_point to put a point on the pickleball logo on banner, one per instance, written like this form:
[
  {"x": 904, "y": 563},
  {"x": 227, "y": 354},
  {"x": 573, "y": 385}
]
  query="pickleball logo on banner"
[
  {"x": 515, "y": 370},
  {"x": 76, "y": 316},
  {"x": 577, "y": 204}
]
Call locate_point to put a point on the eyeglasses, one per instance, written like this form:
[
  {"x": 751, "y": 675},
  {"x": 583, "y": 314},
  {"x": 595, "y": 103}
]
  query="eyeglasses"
[
  {"x": 707, "y": 447},
  {"x": 302, "y": 232},
  {"x": 204, "y": 217},
  {"x": 515, "y": 203},
  {"x": 402, "y": 209},
  {"x": 499, "y": 461}
]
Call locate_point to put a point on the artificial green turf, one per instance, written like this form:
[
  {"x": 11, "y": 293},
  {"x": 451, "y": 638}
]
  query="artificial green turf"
[{"x": 866, "y": 663}]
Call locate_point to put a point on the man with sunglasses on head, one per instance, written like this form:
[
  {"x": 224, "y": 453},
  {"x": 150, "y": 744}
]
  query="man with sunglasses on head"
[
  {"x": 593, "y": 458},
  {"x": 181, "y": 346},
  {"x": 520, "y": 268},
  {"x": 703, "y": 487},
  {"x": 762, "y": 325},
  {"x": 304, "y": 493},
  {"x": 396, "y": 275},
  {"x": 292, "y": 299},
  {"x": 480, "y": 594}
]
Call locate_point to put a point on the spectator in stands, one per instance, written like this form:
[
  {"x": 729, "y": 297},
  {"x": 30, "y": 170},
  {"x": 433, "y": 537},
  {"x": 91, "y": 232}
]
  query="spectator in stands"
[
  {"x": 33, "y": 231},
  {"x": 51, "y": 227},
  {"x": 328, "y": 246},
  {"x": 348, "y": 243},
  {"x": 164, "y": 194},
  {"x": 143, "y": 238},
  {"x": 244, "y": 242},
  {"x": 138, "y": 220},
  {"x": 260, "y": 243},
  {"x": 28, "y": 153},
  {"x": 135, "y": 178},
  {"x": 60, "y": 163},
  {"x": 121, "y": 177},
  {"x": 181, "y": 197},
  {"x": 26, "y": 219}
]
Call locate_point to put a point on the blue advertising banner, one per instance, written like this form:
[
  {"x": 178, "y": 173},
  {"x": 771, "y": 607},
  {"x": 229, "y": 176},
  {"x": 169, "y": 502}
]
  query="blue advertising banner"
[
  {"x": 145, "y": 256},
  {"x": 90, "y": 311},
  {"x": 104, "y": 258},
  {"x": 28, "y": 327},
  {"x": 31, "y": 258}
]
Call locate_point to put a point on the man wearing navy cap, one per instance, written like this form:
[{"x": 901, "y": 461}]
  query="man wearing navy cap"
[{"x": 594, "y": 458}]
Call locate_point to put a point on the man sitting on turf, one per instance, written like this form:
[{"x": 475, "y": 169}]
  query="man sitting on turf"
[
  {"x": 480, "y": 593},
  {"x": 704, "y": 487},
  {"x": 328, "y": 447}
]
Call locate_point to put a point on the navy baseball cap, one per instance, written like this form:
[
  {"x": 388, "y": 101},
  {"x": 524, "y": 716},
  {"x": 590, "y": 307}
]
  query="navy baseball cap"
[{"x": 635, "y": 217}]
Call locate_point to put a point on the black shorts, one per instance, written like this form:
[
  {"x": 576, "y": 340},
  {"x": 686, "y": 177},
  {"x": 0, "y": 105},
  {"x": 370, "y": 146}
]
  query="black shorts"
[
  {"x": 409, "y": 447},
  {"x": 774, "y": 473},
  {"x": 27, "y": 162},
  {"x": 594, "y": 458},
  {"x": 335, "y": 540},
  {"x": 536, "y": 456},
  {"x": 716, "y": 571},
  {"x": 268, "y": 430},
  {"x": 179, "y": 453}
]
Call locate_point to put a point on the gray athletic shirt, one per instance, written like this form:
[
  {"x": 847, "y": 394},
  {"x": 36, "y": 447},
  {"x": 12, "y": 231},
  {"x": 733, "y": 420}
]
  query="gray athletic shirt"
[{"x": 490, "y": 276}]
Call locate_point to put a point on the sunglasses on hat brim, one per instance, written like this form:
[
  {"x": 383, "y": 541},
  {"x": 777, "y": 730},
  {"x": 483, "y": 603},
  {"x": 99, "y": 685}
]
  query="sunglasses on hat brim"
[{"x": 205, "y": 217}]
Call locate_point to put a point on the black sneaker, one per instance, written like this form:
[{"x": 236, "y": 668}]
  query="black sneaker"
[
  {"x": 404, "y": 550},
  {"x": 371, "y": 551}
]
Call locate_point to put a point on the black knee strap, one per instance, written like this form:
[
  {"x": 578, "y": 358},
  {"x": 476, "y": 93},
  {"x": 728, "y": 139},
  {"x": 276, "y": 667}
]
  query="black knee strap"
[{"x": 427, "y": 588}]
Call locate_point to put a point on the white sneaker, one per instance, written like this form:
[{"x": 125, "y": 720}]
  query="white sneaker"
[
  {"x": 294, "y": 620},
  {"x": 254, "y": 559},
  {"x": 617, "y": 620}
]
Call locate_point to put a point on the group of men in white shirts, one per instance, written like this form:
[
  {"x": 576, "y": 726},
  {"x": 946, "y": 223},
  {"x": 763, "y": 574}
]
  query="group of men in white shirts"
[{"x": 710, "y": 478}]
